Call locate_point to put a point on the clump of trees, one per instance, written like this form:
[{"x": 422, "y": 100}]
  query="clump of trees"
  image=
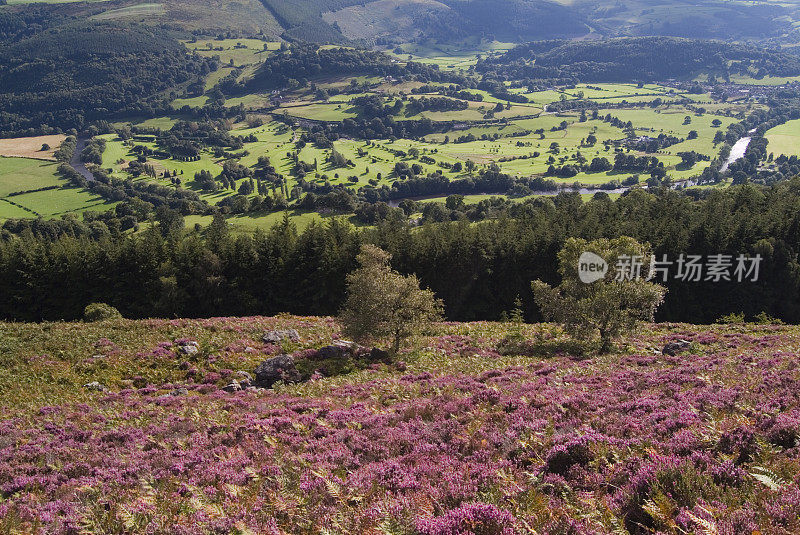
[
  {"x": 608, "y": 307},
  {"x": 383, "y": 303},
  {"x": 100, "y": 312}
]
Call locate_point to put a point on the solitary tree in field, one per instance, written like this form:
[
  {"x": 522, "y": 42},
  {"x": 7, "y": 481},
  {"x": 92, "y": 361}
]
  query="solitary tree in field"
[
  {"x": 610, "y": 305},
  {"x": 383, "y": 303}
]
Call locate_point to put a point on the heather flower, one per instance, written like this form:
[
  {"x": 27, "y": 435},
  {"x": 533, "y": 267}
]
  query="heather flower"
[{"x": 471, "y": 519}]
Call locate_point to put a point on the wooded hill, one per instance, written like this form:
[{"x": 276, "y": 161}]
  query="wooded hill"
[
  {"x": 70, "y": 75},
  {"x": 638, "y": 58}
]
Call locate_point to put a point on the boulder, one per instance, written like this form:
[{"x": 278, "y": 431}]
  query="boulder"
[
  {"x": 673, "y": 348},
  {"x": 95, "y": 387},
  {"x": 189, "y": 348},
  {"x": 280, "y": 368},
  {"x": 275, "y": 337},
  {"x": 233, "y": 386},
  {"x": 179, "y": 392},
  {"x": 338, "y": 350}
]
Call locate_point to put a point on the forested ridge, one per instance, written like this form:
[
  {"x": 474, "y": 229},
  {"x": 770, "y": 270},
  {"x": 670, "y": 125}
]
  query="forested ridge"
[
  {"x": 308, "y": 61},
  {"x": 477, "y": 269},
  {"x": 68, "y": 76},
  {"x": 642, "y": 58}
]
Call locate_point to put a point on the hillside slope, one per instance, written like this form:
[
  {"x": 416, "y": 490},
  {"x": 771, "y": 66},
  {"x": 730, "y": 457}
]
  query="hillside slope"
[
  {"x": 525, "y": 20},
  {"x": 467, "y": 434}
]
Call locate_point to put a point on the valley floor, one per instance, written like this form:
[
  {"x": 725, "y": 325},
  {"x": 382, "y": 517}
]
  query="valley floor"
[{"x": 481, "y": 428}]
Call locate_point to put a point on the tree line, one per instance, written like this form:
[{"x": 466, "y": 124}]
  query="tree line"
[{"x": 478, "y": 270}]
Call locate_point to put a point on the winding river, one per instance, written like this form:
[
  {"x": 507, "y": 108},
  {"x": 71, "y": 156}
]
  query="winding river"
[
  {"x": 737, "y": 151},
  {"x": 76, "y": 162}
]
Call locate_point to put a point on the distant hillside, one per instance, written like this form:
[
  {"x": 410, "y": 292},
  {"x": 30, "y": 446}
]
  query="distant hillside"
[
  {"x": 641, "y": 58},
  {"x": 209, "y": 17},
  {"x": 525, "y": 20},
  {"x": 337, "y": 20}
]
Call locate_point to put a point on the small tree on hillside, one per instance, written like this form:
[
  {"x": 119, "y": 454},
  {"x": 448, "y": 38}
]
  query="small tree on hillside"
[
  {"x": 383, "y": 303},
  {"x": 609, "y": 306}
]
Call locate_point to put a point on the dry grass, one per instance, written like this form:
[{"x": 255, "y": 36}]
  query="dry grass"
[{"x": 31, "y": 147}]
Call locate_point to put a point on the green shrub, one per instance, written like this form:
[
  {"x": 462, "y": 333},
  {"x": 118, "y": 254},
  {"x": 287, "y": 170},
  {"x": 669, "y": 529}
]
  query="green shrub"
[
  {"x": 733, "y": 317},
  {"x": 762, "y": 318},
  {"x": 100, "y": 312}
]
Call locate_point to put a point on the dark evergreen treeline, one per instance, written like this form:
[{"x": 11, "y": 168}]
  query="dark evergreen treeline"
[
  {"x": 637, "y": 58},
  {"x": 478, "y": 269}
]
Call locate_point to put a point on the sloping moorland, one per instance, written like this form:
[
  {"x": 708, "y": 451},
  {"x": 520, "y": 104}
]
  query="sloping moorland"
[{"x": 465, "y": 435}]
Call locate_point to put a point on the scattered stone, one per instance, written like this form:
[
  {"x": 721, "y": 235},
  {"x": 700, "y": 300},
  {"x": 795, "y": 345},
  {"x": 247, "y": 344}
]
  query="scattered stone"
[
  {"x": 245, "y": 379},
  {"x": 189, "y": 348},
  {"x": 673, "y": 348},
  {"x": 98, "y": 356},
  {"x": 179, "y": 392},
  {"x": 95, "y": 387},
  {"x": 280, "y": 368},
  {"x": 274, "y": 337},
  {"x": 245, "y": 375},
  {"x": 233, "y": 386}
]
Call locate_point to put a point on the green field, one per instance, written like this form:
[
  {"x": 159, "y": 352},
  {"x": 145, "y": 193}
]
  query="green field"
[
  {"x": 135, "y": 11},
  {"x": 523, "y": 139},
  {"x": 514, "y": 151},
  {"x": 25, "y": 174},
  {"x": 451, "y": 55},
  {"x": 55, "y": 202},
  {"x": 784, "y": 139},
  {"x": 249, "y": 223}
]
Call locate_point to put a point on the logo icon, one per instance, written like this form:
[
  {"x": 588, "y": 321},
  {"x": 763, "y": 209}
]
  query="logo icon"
[{"x": 591, "y": 267}]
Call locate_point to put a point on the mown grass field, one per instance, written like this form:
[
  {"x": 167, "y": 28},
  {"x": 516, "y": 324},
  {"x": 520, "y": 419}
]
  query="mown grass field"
[
  {"x": 31, "y": 147},
  {"x": 24, "y": 174},
  {"x": 515, "y": 150},
  {"x": 53, "y": 198},
  {"x": 784, "y": 139},
  {"x": 523, "y": 139}
]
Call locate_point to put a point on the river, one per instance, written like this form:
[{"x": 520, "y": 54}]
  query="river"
[
  {"x": 76, "y": 162},
  {"x": 737, "y": 151}
]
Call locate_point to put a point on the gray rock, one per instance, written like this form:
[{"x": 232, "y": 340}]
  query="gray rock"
[
  {"x": 189, "y": 349},
  {"x": 233, "y": 386},
  {"x": 337, "y": 350},
  {"x": 179, "y": 392},
  {"x": 673, "y": 348},
  {"x": 274, "y": 337},
  {"x": 280, "y": 368},
  {"x": 95, "y": 387},
  {"x": 245, "y": 375}
]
